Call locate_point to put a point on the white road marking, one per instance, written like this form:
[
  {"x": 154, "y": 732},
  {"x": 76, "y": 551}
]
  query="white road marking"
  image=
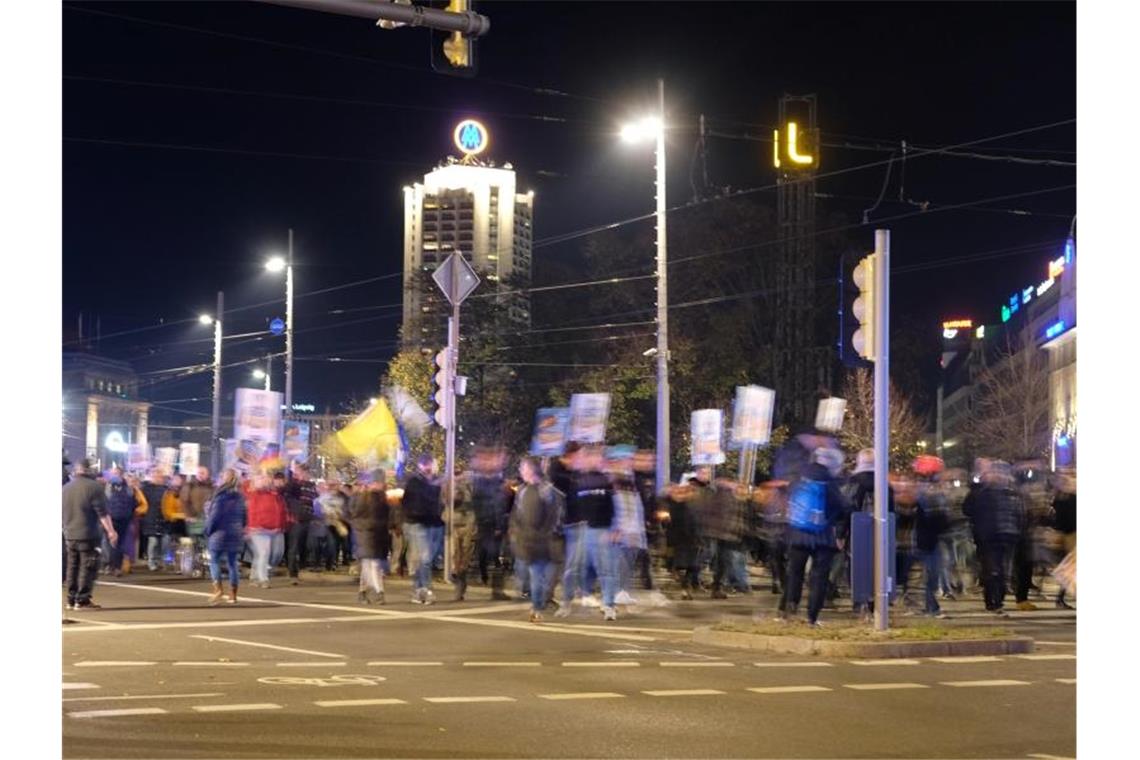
[
  {"x": 235, "y": 708},
  {"x": 1046, "y": 656},
  {"x": 624, "y": 651},
  {"x": 208, "y": 664},
  {"x": 810, "y": 664},
  {"x": 145, "y": 696},
  {"x": 786, "y": 689},
  {"x": 1041, "y": 643},
  {"x": 606, "y": 633},
  {"x": 883, "y": 686},
  {"x": 683, "y": 692},
  {"x": 68, "y": 686},
  {"x": 964, "y": 660},
  {"x": 358, "y": 702},
  {"x": 582, "y": 695},
  {"x": 112, "y": 663},
  {"x": 117, "y": 713},
  {"x": 697, "y": 664},
  {"x": 504, "y": 607},
  {"x": 92, "y": 622},
  {"x": 603, "y": 664},
  {"x": 995, "y": 682},
  {"x": 312, "y": 664},
  {"x": 1066, "y": 680},
  {"x": 884, "y": 662},
  {"x": 502, "y": 664},
  {"x": 270, "y": 646},
  {"x": 1039, "y": 756},
  {"x": 228, "y": 624},
  {"x": 401, "y": 664},
  {"x": 456, "y": 700}
]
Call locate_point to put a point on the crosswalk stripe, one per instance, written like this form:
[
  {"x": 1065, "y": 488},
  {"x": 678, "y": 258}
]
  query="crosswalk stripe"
[
  {"x": 603, "y": 664},
  {"x": 312, "y": 664},
  {"x": 786, "y": 689},
  {"x": 883, "y": 686},
  {"x": 208, "y": 664},
  {"x": 1066, "y": 680},
  {"x": 964, "y": 660},
  {"x": 502, "y": 664},
  {"x": 117, "y": 713},
  {"x": 400, "y": 664},
  {"x": 687, "y": 664},
  {"x": 995, "y": 682},
  {"x": 454, "y": 700},
  {"x": 358, "y": 702},
  {"x": 582, "y": 695},
  {"x": 682, "y": 692},
  {"x": 793, "y": 664},
  {"x": 1046, "y": 656},
  {"x": 70, "y": 686},
  {"x": 113, "y": 663},
  {"x": 236, "y": 708},
  {"x": 885, "y": 662}
]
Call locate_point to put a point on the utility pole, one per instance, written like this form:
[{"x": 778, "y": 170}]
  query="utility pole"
[
  {"x": 662, "y": 306},
  {"x": 882, "y": 425},
  {"x": 289, "y": 328},
  {"x": 269, "y": 372},
  {"x": 215, "y": 422}
]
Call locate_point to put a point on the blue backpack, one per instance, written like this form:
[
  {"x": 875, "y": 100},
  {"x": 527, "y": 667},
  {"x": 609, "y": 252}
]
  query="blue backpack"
[{"x": 807, "y": 506}]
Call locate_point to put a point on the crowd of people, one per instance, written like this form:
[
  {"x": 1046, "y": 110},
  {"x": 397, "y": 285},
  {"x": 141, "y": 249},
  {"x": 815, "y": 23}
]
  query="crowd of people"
[{"x": 557, "y": 530}]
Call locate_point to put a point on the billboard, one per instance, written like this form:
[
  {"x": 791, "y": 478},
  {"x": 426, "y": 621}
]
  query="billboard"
[{"x": 257, "y": 415}]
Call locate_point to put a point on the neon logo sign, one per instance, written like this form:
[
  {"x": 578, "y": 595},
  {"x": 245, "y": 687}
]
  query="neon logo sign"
[
  {"x": 471, "y": 137},
  {"x": 797, "y": 158}
]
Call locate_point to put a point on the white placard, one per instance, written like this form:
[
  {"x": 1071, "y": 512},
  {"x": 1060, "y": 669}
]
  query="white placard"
[
  {"x": 257, "y": 415},
  {"x": 829, "y": 415},
  {"x": 188, "y": 454},
  {"x": 752, "y": 414},
  {"x": 707, "y": 431},
  {"x": 588, "y": 415}
]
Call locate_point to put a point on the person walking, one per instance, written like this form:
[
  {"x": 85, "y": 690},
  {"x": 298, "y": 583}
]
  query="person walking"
[
  {"x": 463, "y": 532},
  {"x": 491, "y": 498},
  {"x": 999, "y": 519},
  {"x": 196, "y": 494},
  {"x": 266, "y": 510},
  {"x": 533, "y": 520},
  {"x": 423, "y": 526},
  {"x": 931, "y": 522},
  {"x": 368, "y": 513},
  {"x": 225, "y": 533},
  {"x": 299, "y": 493},
  {"x": 84, "y": 511},
  {"x": 153, "y": 524},
  {"x": 121, "y": 505}
]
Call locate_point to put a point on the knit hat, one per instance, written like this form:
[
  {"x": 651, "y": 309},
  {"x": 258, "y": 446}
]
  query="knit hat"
[{"x": 865, "y": 461}]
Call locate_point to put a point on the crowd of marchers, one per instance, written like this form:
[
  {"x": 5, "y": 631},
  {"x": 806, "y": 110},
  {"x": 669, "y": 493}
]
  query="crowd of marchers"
[{"x": 558, "y": 531}]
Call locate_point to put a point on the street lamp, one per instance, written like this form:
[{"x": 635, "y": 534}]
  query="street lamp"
[
  {"x": 277, "y": 264},
  {"x": 215, "y": 420},
  {"x": 653, "y": 127}
]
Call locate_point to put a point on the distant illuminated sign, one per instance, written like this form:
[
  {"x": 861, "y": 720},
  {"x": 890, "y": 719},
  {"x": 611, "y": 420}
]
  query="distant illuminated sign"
[
  {"x": 1027, "y": 294},
  {"x": 1055, "y": 329},
  {"x": 1045, "y": 286},
  {"x": 981, "y": 332},
  {"x": 949, "y": 334},
  {"x": 471, "y": 137},
  {"x": 304, "y": 408},
  {"x": 1005, "y": 313},
  {"x": 795, "y": 148},
  {"x": 114, "y": 442},
  {"x": 965, "y": 324},
  {"x": 1069, "y": 251},
  {"x": 1056, "y": 267}
]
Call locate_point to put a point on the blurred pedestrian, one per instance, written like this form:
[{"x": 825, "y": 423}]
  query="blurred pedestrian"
[
  {"x": 931, "y": 523},
  {"x": 153, "y": 524},
  {"x": 683, "y": 534},
  {"x": 491, "y": 498},
  {"x": 533, "y": 521},
  {"x": 225, "y": 533},
  {"x": 999, "y": 520},
  {"x": 369, "y": 513},
  {"x": 1065, "y": 520},
  {"x": 84, "y": 511},
  {"x": 266, "y": 525},
  {"x": 423, "y": 526},
  {"x": 121, "y": 505},
  {"x": 300, "y": 492}
]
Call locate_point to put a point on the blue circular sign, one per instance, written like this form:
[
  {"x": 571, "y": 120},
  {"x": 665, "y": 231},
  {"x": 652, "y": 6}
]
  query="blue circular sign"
[
  {"x": 471, "y": 137},
  {"x": 277, "y": 326}
]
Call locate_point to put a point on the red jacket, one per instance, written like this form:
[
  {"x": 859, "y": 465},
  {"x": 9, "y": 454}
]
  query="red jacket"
[{"x": 266, "y": 509}]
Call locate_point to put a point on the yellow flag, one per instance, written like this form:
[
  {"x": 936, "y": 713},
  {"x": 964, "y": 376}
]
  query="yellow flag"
[{"x": 372, "y": 438}]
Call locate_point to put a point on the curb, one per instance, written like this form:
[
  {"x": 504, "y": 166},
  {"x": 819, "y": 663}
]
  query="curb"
[{"x": 872, "y": 649}]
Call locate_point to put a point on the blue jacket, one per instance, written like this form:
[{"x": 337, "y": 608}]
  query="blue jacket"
[{"x": 225, "y": 521}]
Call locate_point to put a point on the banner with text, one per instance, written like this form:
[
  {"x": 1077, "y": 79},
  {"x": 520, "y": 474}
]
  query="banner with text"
[{"x": 707, "y": 430}]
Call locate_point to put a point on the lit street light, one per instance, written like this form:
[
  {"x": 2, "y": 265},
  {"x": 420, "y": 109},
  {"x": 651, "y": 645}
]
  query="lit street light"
[
  {"x": 205, "y": 319},
  {"x": 215, "y": 420},
  {"x": 259, "y": 373},
  {"x": 277, "y": 264},
  {"x": 653, "y": 127}
]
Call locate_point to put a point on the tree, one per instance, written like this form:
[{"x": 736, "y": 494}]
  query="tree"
[
  {"x": 1010, "y": 405},
  {"x": 412, "y": 370},
  {"x": 906, "y": 426}
]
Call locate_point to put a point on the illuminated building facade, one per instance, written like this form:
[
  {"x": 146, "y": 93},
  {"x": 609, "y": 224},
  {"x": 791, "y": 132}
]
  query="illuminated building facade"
[{"x": 101, "y": 411}]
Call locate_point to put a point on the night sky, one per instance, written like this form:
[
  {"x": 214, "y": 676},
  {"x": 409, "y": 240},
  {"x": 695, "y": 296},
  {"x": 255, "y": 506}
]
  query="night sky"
[{"x": 153, "y": 228}]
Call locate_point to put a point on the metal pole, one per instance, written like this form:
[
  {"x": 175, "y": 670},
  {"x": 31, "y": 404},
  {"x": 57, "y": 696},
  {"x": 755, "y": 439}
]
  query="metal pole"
[
  {"x": 215, "y": 422},
  {"x": 662, "y": 306},
  {"x": 289, "y": 329},
  {"x": 882, "y": 427},
  {"x": 453, "y": 350},
  {"x": 467, "y": 22},
  {"x": 938, "y": 421},
  {"x": 269, "y": 372}
]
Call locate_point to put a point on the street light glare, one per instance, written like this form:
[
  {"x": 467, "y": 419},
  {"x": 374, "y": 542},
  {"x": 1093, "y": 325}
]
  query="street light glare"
[
  {"x": 275, "y": 264},
  {"x": 646, "y": 129},
  {"x": 206, "y": 319},
  {"x": 259, "y": 373}
]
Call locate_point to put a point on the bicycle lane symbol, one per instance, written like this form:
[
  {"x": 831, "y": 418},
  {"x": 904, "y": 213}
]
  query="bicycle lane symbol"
[{"x": 365, "y": 680}]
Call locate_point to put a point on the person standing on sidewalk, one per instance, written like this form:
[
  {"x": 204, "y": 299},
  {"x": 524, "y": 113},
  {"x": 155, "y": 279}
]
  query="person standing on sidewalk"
[
  {"x": 121, "y": 505},
  {"x": 266, "y": 509},
  {"x": 423, "y": 526},
  {"x": 491, "y": 498},
  {"x": 196, "y": 494},
  {"x": 300, "y": 493},
  {"x": 225, "y": 533},
  {"x": 537, "y": 508},
  {"x": 368, "y": 513},
  {"x": 84, "y": 511}
]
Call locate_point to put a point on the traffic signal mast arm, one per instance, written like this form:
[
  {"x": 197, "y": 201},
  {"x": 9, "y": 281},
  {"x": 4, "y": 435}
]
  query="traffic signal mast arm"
[{"x": 467, "y": 23}]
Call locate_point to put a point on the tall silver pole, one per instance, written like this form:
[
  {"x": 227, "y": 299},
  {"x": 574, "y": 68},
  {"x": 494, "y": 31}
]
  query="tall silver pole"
[
  {"x": 289, "y": 329},
  {"x": 882, "y": 427},
  {"x": 269, "y": 372},
  {"x": 215, "y": 422},
  {"x": 453, "y": 351},
  {"x": 662, "y": 306}
]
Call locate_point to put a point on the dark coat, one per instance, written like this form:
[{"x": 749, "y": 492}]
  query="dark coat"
[
  {"x": 121, "y": 502},
  {"x": 153, "y": 523},
  {"x": 724, "y": 515},
  {"x": 368, "y": 513},
  {"x": 683, "y": 533},
  {"x": 533, "y": 521},
  {"x": 225, "y": 521},
  {"x": 84, "y": 502},
  {"x": 1065, "y": 512},
  {"x": 422, "y": 503},
  {"x": 998, "y": 514},
  {"x": 931, "y": 521}
]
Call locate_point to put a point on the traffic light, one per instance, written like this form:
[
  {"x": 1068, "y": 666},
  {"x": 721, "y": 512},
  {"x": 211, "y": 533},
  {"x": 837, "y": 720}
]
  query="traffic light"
[
  {"x": 863, "y": 308},
  {"x": 453, "y": 52},
  {"x": 443, "y": 394}
]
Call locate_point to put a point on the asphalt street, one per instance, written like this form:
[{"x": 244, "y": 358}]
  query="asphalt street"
[{"x": 307, "y": 672}]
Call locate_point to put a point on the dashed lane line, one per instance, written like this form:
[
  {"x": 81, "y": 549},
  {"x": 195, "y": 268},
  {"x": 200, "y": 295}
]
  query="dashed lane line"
[
  {"x": 994, "y": 682},
  {"x": 235, "y": 708},
  {"x": 883, "y": 686},
  {"x": 478, "y": 664},
  {"x": 685, "y": 664},
  {"x": 240, "y": 642},
  {"x": 787, "y": 689},
  {"x": 358, "y": 702},
  {"x": 606, "y": 633},
  {"x": 70, "y": 686},
  {"x": 794, "y": 664},
  {"x": 401, "y": 664},
  {"x": 117, "y": 713},
  {"x": 1046, "y": 656},
  {"x": 114, "y": 663},
  {"x": 582, "y": 695},
  {"x": 461, "y": 700},
  {"x": 964, "y": 660},
  {"x": 209, "y": 664},
  {"x": 603, "y": 664},
  {"x": 1041, "y": 643},
  {"x": 1066, "y": 680},
  {"x": 683, "y": 692},
  {"x": 312, "y": 664},
  {"x": 899, "y": 661},
  {"x": 145, "y": 696}
]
